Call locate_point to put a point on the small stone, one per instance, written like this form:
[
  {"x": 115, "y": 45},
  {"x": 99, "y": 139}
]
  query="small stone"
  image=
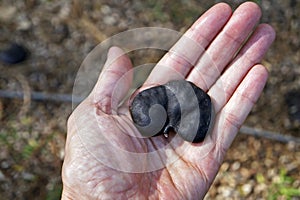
[
  {"x": 23, "y": 23},
  {"x": 106, "y": 10},
  {"x": 225, "y": 191},
  {"x": 268, "y": 162},
  {"x": 5, "y": 165},
  {"x": 292, "y": 166},
  {"x": 292, "y": 99},
  {"x": 271, "y": 173},
  {"x": 276, "y": 179},
  {"x": 296, "y": 184},
  {"x": 28, "y": 176},
  {"x": 291, "y": 146},
  {"x": 261, "y": 187},
  {"x": 7, "y": 13},
  {"x": 246, "y": 189},
  {"x": 109, "y": 20},
  {"x": 224, "y": 167},
  {"x": 2, "y": 176},
  {"x": 245, "y": 173},
  {"x": 235, "y": 166},
  {"x": 62, "y": 154}
]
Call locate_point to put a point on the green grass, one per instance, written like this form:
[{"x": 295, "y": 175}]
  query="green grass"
[{"x": 283, "y": 187}]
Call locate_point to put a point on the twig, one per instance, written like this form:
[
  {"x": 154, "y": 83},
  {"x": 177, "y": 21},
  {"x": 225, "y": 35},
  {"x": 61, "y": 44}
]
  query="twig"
[
  {"x": 26, "y": 93},
  {"x": 39, "y": 96},
  {"x": 269, "y": 135}
]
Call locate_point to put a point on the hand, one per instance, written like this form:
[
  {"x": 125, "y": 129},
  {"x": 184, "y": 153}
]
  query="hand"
[{"x": 103, "y": 148}]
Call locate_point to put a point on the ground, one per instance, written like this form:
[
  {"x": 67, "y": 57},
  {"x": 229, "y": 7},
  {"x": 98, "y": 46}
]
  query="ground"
[{"x": 59, "y": 34}]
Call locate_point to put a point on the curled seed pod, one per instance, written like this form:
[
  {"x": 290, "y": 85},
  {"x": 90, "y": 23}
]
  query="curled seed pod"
[{"x": 177, "y": 105}]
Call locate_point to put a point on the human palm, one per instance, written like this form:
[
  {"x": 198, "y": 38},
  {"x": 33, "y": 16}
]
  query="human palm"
[{"x": 106, "y": 158}]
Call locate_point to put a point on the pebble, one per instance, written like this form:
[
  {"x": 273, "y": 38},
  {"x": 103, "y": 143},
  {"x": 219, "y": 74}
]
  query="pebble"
[
  {"x": 296, "y": 184},
  {"x": 16, "y": 53},
  {"x": 259, "y": 188},
  {"x": 225, "y": 191},
  {"x": 2, "y": 176},
  {"x": 106, "y": 10},
  {"x": 7, "y": 13},
  {"x": 247, "y": 189},
  {"x": 268, "y": 162},
  {"x": 109, "y": 20},
  {"x": 24, "y": 24},
  {"x": 235, "y": 166},
  {"x": 224, "y": 166},
  {"x": 292, "y": 99},
  {"x": 5, "y": 165},
  {"x": 271, "y": 173},
  {"x": 245, "y": 173},
  {"x": 28, "y": 176}
]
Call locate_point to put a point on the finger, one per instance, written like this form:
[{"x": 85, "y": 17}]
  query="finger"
[
  {"x": 184, "y": 54},
  {"x": 251, "y": 54},
  {"x": 114, "y": 81},
  {"x": 234, "y": 113},
  {"x": 225, "y": 46}
]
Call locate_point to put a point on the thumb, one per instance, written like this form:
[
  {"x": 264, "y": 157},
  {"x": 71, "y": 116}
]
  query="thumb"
[{"x": 114, "y": 81}]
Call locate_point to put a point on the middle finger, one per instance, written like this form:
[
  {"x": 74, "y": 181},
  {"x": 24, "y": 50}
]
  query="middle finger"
[
  {"x": 225, "y": 46},
  {"x": 185, "y": 53}
]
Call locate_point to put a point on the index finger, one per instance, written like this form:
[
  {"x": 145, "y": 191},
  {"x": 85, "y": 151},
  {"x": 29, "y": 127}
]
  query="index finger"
[{"x": 184, "y": 54}]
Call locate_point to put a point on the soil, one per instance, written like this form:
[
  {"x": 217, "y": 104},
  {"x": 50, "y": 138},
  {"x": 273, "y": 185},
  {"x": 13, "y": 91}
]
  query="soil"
[{"x": 60, "y": 34}]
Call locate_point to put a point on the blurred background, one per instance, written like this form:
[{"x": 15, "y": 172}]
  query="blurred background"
[{"x": 52, "y": 37}]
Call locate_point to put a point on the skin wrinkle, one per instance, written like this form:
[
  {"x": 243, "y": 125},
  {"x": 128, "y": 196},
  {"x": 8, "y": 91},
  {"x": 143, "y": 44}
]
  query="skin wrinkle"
[
  {"x": 189, "y": 55},
  {"x": 150, "y": 186},
  {"x": 206, "y": 21},
  {"x": 109, "y": 104},
  {"x": 154, "y": 147},
  {"x": 115, "y": 58},
  {"x": 224, "y": 91},
  {"x": 232, "y": 45},
  {"x": 174, "y": 184},
  {"x": 178, "y": 60},
  {"x": 77, "y": 181},
  {"x": 150, "y": 189},
  {"x": 257, "y": 43},
  {"x": 198, "y": 170},
  {"x": 122, "y": 191},
  {"x": 181, "y": 190},
  {"x": 104, "y": 104},
  {"x": 137, "y": 141},
  {"x": 233, "y": 120},
  {"x": 200, "y": 79},
  {"x": 250, "y": 19},
  {"x": 198, "y": 73}
]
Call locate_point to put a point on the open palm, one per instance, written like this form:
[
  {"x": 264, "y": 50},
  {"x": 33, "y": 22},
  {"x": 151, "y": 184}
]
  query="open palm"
[{"x": 106, "y": 158}]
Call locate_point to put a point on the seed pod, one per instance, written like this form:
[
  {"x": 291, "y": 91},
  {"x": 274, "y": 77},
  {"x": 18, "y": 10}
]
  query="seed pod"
[
  {"x": 14, "y": 54},
  {"x": 177, "y": 105}
]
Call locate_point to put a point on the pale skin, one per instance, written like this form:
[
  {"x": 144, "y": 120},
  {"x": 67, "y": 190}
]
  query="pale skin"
[{"x": 234, "y": 84}]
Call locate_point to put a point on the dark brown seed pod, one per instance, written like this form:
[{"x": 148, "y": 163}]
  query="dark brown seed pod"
[{"x": 177, "y": 105}]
